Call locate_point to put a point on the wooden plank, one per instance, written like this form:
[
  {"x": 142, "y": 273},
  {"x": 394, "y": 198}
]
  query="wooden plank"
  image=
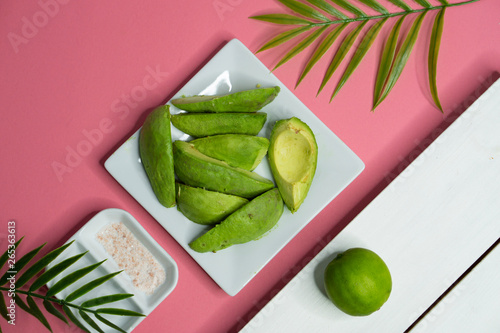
[
  {"x": 470, "y": 306},
  {"x": 429, "y": 225}
]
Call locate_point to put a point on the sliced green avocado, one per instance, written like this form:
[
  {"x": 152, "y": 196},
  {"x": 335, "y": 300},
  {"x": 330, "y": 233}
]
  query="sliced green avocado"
[
  {"x": 293, "y": 155},
  {"x": 243, "y": 101},
  {"x": 155, "y": 149},
  {"x": 206, "y": 207},
  {"x": 237, "y": 150},
  {"x": 198, "y": 170},
  {"x": 248, "y": 223},
  {"x": 205, "y": 124}
]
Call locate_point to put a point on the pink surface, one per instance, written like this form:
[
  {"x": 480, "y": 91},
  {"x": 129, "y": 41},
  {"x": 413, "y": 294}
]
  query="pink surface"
[{"x": 81, "y": 71}]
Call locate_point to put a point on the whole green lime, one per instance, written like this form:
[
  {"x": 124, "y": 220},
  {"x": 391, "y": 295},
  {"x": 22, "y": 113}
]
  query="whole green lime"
[{"x": 358, "y": 281}]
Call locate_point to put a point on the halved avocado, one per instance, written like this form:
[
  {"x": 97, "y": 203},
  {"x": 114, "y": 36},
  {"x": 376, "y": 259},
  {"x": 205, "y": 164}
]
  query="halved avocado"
[{"x": 293, "y": 156}]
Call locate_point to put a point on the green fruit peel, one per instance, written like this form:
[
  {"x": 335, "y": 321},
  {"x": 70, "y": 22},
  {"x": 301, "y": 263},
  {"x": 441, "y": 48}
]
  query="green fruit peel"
[
  {"x": 246, "y": 224},
  {"x": 155, "y": 149},
  {"x": 243, "y": 101}
]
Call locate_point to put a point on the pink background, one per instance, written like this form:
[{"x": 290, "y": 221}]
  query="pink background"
[{"x": 77, "y": 70}]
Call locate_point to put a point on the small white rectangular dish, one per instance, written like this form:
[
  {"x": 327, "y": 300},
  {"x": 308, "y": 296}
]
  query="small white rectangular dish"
[
  {"x": 85, "y": 240},
  {"x": 235, "y": 68}
]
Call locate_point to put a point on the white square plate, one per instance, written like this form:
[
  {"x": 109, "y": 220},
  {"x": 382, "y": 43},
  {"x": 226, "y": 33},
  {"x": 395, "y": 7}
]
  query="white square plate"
[
  {"x": 85, "y": 240},
  {"x": 235, "y": 68}
]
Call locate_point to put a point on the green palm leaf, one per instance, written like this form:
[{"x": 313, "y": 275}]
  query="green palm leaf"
[
  {"x": 401, "y": 4},
  {"x": 89, "y": 321},
  {"x": 437, "y": 31},
  {"x": 32, "y": 308},
  {"x": 53, "y": 311},
  {"x": 37, "y": 312},
  {"x": 89, "y": 286},
  {"x": 349, "y": 7},
  {"x": 321, "y": 50},
  {"x": 40, "y": 264},
  {"x": 54, "y": 271},
  {"x": 284, "y": 37},
  {"x": 304, "y": 10},
  {"x": 402, "y": 57},
  {"x": 3, "y": 307},
  {"x": 119, "y": 312},
  {"x": 73, "y": 319},
  {"x": 282, "y": 19},
  {"x": 325, "y": 6},
  {"x": 105, "y": 299},
  {"x": 375, "y": 5},
  {"x": 361, "y": 51},
  {"x": 301, "y": 46},
  {"x": 5, "y": 255},
  {"x": 107, "y": 322},
  {"x": 387, "y": 59},
  {"x": 20, "y": 264},
  {"x": 341, "y": 53},
  {"x": 71, "y": 278},
  {"x": 424, "y": 3}
]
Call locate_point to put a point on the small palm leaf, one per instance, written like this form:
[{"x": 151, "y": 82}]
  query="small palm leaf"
[
  {"x": 53, "y": 311},
  {"x": 349, "y": 7},
  {"x": 325, "y": 6},
  {"x": 361, "y": 51},
  {"x": 282, "y": 19},
  {"x": 321, "y": 50},
  {"x": 71, "y": 278},
  {"x": 89, "y": 321},
  {"x": 119, "y": 312},
  {"x": 107, "y": 322},
  {"x": 40, "y": 264},
  {"x": 341, "y": 53},
  {"x": 37, "y": 313},
  {"x": 401, "y": 4},
  {"x": 402, "y": 57},
  {"x": 375, "y": 5},
  {"x": 301, "y": 46},
  {"x": 304, "y": 10},
  {"x": 105, "y": 299},
  {"x": 387, "y": 58},
  {"x": 89, "y": 286},
  {"x": 437, "y": 31},
  {"x": 284, "y": 37},
  {"x": 20, "y": 264},
  {"x": 5, "y": 255},
  {"x": 73, "y": 319},
  {"x": 3, "y": 307},
  {"x": 54, "y": 271},
  {"x": 424, "y": 3}
]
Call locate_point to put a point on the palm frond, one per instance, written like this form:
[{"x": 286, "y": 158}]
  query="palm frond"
[
  {"x": 30, "y": 306},
  {"x": 322, "y": 22}
]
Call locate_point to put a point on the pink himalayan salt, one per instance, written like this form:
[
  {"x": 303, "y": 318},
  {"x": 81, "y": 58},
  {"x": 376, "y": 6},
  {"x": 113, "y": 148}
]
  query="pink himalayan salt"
[{"x": 143, "y": 269}]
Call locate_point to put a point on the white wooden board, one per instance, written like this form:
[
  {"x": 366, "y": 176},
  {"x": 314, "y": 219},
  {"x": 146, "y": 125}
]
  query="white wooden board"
[
  {"x": 429, "y": 225},
  {"x": 472, "y": 305}
]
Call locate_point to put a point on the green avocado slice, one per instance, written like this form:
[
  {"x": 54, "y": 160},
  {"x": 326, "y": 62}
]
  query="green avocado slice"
[
  {"x": 206, "y": 207},
  {"x": 237, "y": 150},
  {"x": 248, "y": 223},
  {"x": 205, "y": 124},
  {"x": 244, "y": 101},
  {"x": 293, "y": 156},
  {"x": 198, "y": 170},
  {"x": 155, "y": 149}
]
